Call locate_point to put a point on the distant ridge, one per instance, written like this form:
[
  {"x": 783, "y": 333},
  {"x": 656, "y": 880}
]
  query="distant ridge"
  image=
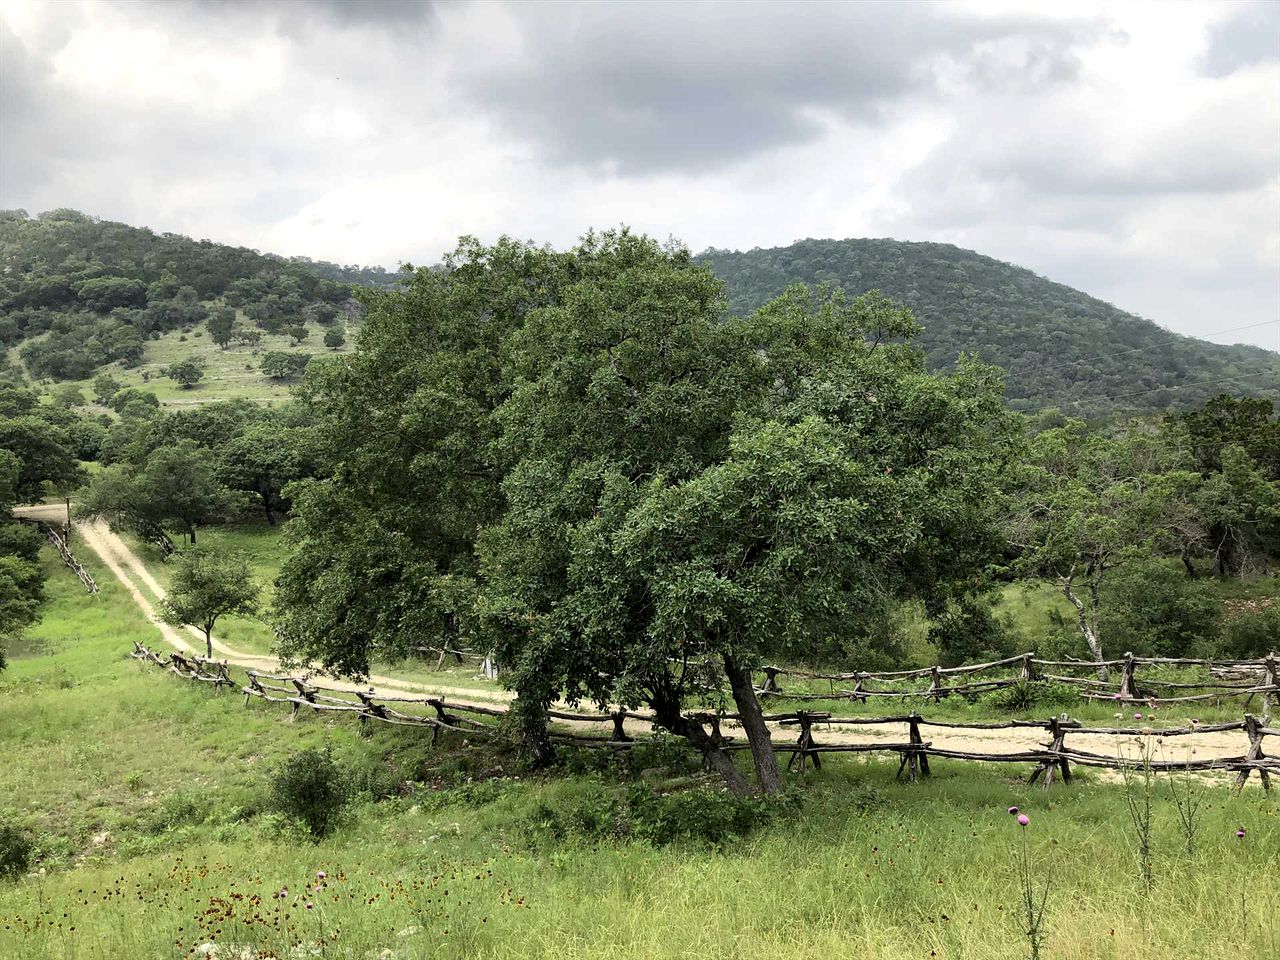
[{"x": 1058, "y": 346}]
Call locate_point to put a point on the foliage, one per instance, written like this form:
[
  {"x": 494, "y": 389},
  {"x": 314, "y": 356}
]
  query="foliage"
[
  {"x": 1058, "y": 346},
  {"x": 1252, "y": 634},
  {"x": 334, "y": 338},
  {"x": 969, "y": 631},
  {"x": 310, "y": 787},
  {"x": 282, "y": 365},
  {"x": 15, "y": 852},
  {"x": 1155, "y": 610},
  {"x": 78, "y": 292},
  {"x": 174, "y": 487},
  {"x": 187, "y": 372},
  {"x": 205, "y": 587}
]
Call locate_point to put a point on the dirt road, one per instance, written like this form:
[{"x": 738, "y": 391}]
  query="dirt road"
[{"x": 134, "y": 576}]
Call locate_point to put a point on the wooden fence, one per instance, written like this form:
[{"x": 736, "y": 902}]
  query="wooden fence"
[
  {"x": 59, "y": 541},
  {"x": 436, "y": 713},
  {"x": 1224, "y": 678}
]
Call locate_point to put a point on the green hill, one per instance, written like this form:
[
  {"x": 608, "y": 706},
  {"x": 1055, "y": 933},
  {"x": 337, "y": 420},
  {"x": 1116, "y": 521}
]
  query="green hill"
[
  {"x": 1058, "y": 346},
  {"x": 78, "y": 294}
]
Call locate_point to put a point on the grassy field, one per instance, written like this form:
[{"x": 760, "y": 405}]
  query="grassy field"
[
  {"x": 150, "y": 803},
  {"x": 229, "y": 374}
]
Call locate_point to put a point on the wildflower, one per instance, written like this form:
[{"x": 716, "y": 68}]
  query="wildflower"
[
  {"x": 320, "y": 875},
  {"x": 1023, "y": 820},
  {"x": 310, "y": 905},
  {"x": 1240, "y": 834},
  {"x": 1013, "y": 811},
  {"x": 1137, "y": 716},
  {"x": 1119, "y": 715}
]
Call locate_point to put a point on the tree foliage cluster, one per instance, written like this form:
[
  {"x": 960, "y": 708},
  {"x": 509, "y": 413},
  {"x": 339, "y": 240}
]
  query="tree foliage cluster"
[
  {"x": 1101, "y": 511},
  {"x": 83, "y": 292},
  {"x": 580, "y": 459},
  {"x": 1058, "y": 346}
]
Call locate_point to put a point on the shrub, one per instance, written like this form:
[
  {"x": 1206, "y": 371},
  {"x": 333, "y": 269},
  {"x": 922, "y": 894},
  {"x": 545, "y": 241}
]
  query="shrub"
[
  {"x": 15, "y": 852},
  {"x": 1252, "y": 634},
  {"x": 970, "y": 632},
  {"x": 1152, "y": 608},
  {"x": 700, "y": 816},
  {"x": 311, "y": 788}
]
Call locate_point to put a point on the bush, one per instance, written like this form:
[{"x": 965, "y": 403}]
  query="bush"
[
  {"x": 15, "y": 852},
  {"x": 970, "y": 632},
  {"x": 699, "y": 817},
  {"x": 311, "y": 788},
  {"x": 1252, "y": 634},
  {"x": 1153, "y": 608}
]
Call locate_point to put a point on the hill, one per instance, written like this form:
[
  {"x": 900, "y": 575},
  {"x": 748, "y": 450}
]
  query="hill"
[
  {"x": 1058, "y": 346},
  {"x": 78, "y": 294}
]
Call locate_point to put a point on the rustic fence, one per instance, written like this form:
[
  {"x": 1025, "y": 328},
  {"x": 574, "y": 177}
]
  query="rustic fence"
[
  {"x": 59, "y": 542},
  {"x": 1224, "y": 679},
  {"x": 1053, "y": 759}
]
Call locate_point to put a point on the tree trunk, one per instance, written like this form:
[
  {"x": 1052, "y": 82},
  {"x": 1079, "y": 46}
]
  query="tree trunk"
[
  {"x": 531, "y": 714},
  {"x": 266, "y": 505},
  {"x": 191, "y": 532},
  {"x": 1186, "y": 562},
  {"x": 1088, "y": 630},
  {"x": 757, "y": 731},
  {"x": 208, "y": 642},
  {"x": 716, "y": 758}
]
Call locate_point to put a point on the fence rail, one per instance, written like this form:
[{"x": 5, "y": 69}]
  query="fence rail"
[
  {"x": 59, "y": 542},
  {"x": 1054, "y": 759},
  {"x": 1225, "y": 678}
]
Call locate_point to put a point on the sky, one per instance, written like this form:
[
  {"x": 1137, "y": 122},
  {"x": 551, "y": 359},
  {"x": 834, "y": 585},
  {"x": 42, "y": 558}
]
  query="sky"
[{"x": 1131, "y": 150}]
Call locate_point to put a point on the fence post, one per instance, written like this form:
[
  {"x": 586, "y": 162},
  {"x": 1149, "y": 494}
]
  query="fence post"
[
  {"x": 858, "y": 691},
  {"x": 804, "y": 745},
  {"x": 619, "y": 732},
  {"x": 915, "y": 760},
  {"x": 1028, "y": 668},
  {"x": 770, "y": 684},
  {"x": 935, "y": 684},
  {"x": 1057, "y": 733},
  {"x": 1127, "y": 689},
  {"x": 1253, "y": 728},
  {"x": 1272, "y": 663}
]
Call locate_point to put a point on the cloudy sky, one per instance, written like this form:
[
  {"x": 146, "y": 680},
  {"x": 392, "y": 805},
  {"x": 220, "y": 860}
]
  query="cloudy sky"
[{"x": 1128, "y": 149}]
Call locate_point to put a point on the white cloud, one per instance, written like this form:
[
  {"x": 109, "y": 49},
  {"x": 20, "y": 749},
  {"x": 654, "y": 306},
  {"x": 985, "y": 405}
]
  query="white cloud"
[{"x": 1131, "y": 150}]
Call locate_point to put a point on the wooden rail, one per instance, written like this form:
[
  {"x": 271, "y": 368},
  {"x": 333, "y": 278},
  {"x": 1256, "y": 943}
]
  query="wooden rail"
[
  {"x": 1052, "y": 760},
  {"x": 1226, "y": 678},
  {"x": 59, "y": 542}
]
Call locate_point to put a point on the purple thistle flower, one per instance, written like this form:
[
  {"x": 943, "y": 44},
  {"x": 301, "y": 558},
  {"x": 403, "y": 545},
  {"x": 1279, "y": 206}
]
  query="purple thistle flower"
[
  {"x": 1240, "y": 834},
  {"x": 1023, "y": 819},
  {"x": 320, "y": 874},
  {"x": 1013, "y": 811},
  {"x": 1137, "y": 716}
]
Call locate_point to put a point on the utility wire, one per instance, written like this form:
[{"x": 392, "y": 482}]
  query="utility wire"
[{"x": 1172, "y": 338}]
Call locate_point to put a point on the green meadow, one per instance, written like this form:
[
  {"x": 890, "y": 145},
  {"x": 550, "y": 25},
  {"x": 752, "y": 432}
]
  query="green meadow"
[{"x": 150, "y": 804}]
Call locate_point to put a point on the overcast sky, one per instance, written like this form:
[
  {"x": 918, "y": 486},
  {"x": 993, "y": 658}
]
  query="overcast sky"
[{"x": 1131, "y": 150}]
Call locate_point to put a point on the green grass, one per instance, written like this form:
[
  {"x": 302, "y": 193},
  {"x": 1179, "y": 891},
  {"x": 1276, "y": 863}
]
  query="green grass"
[
  {"x": 148, "y": 797},
  {"x": 230, "y": 374}
]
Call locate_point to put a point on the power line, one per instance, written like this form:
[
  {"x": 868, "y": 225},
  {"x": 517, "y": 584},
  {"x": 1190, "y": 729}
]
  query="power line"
[
  {"x": 1174, "y": 336},
  {"x": 1174, "y": 386}
]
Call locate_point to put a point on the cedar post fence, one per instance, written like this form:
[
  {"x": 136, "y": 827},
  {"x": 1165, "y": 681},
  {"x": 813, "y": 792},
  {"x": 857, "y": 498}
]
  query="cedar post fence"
[{"x": 1052, "y": 761}]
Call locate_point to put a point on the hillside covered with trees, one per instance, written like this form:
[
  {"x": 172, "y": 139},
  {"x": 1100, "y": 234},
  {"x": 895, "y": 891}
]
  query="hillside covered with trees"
[
  {"x": 77, "y": 293},
  {"x": 1057, "y": 346}
]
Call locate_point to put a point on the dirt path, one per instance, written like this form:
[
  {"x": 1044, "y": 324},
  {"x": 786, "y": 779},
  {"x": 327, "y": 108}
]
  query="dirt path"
[{"x": 133, "y": 575}]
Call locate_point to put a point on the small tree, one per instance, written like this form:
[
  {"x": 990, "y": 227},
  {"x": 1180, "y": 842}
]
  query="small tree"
[
  {"x": 205, "y": 587},
  {"x": 105, "y": 387},
  {"x": 279, "y": 365},
  {"x": 187, "y": 372},
  {"x": 222, "y": 324},
  {"x": 334, "y": 338},
  {"x": 297, "y": 333}
]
